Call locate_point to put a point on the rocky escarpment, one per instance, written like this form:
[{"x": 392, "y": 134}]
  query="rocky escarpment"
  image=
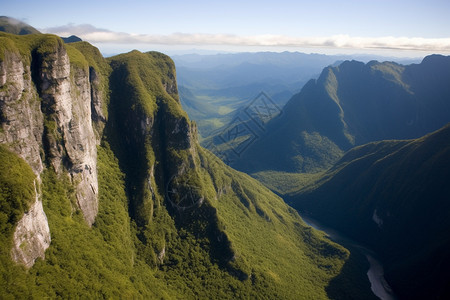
[{"x": 46, "y": 99}]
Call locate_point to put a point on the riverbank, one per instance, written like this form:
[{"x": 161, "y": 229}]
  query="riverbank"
[{"x": 375, "y": 272}]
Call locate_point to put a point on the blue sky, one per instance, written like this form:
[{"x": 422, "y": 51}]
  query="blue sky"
[{"x": 395, "y": 27}]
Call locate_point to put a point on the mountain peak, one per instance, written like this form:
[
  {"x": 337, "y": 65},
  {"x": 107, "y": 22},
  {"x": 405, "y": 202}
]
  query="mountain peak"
[
  {"x": 71, "y": 39},
  {"x": 435, "y": 60},
  {"x": 14, "y": 26}
]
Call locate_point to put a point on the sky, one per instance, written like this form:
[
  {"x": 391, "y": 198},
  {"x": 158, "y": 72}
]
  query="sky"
[{"x": 399, "y": 28}]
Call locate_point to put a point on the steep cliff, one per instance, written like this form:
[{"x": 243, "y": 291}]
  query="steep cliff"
[
  {"x": 45, "y": 103},
  {"x": 134, "y": 205}
]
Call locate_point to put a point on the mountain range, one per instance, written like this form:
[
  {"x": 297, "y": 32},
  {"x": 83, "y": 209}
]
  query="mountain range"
[
  {"x": 351, "y": 104},
  {"x": 215, "y": 88},
  {"x": 354, "y": 150},
  {"x": 106, "y": 191}
]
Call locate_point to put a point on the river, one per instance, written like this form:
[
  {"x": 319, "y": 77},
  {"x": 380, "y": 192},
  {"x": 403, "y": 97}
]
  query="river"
[{"x": 378, "y": 284}]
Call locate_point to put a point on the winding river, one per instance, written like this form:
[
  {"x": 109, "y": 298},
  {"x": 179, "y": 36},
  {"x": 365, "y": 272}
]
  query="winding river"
[{"x": 378, "y": 284}]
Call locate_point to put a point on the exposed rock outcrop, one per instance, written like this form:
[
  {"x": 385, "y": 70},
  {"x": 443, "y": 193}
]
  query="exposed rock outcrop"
[
  {"x": 20, "y": 113},
  {"x": 66, "y": 101},
  {"x": 32, "y": 235},
  {"x": 97, "y": 98}
]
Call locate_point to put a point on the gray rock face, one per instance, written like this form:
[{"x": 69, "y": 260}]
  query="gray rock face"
[
  {"x": 20, "y": 113},
  {"x": 81, "y": 146},
  {"x": 97, "y": 98},
  {"x": 32, "y": 235},
  {"x": 67, "y": 102},
  {"x": 47, "y": 108}
]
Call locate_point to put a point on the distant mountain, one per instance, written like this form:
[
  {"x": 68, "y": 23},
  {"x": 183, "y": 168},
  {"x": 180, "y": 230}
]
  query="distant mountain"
[
  {"x": 395, "y": 197},
  {"x": 11, "y": 25},
  {"x": 348, "y": 105},
  {"x": 217, "y": 86},
  {"x": 71, "y": 39}
]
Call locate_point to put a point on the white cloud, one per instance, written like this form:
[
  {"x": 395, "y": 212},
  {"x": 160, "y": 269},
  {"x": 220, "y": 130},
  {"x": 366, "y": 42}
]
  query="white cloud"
[{"x": 97, "y": 35}]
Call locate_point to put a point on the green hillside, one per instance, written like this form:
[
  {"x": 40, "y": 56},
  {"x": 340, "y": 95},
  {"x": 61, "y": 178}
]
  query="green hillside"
[
  {"x": 393, "y": 196},
  {"x": 14, "y": 26},
  {"x": 174, "y": 222},
  {"x": 348, "y": 105}
]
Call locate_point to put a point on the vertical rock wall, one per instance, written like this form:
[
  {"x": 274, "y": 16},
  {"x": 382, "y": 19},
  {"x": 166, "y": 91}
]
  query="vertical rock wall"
[
  {"x": 66, "y": 102},
  {"x": 46, "y": 118}
]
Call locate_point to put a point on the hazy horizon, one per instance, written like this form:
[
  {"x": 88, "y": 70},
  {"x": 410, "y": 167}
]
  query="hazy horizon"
[{"x": 402, "y": 29}]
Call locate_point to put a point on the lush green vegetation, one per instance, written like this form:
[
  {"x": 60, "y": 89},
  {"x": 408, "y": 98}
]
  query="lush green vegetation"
[
  {"x": 95, "y": 60},
  {"x": 77, "y": 59},
  {"x": 97, "y": 262},
  {"x": 284, "y": 183},
  {"x": 245, "y": 205},
  {"x": 393, "y": 196},
  {"x": 234, "y": 206},
  {"x": 38, "y": 47},
  {"x": 17, "y": 192},
  {"x": 6, "y": 45}
]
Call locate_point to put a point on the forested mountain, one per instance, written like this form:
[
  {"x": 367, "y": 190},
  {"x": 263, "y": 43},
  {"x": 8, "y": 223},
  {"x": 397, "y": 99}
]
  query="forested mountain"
[
  {"x": 216, "y": 88},
  {"x": 394, "y": 196},
  {"x": 11, "y": 25},
  {"x": 348, "y": 105}
]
